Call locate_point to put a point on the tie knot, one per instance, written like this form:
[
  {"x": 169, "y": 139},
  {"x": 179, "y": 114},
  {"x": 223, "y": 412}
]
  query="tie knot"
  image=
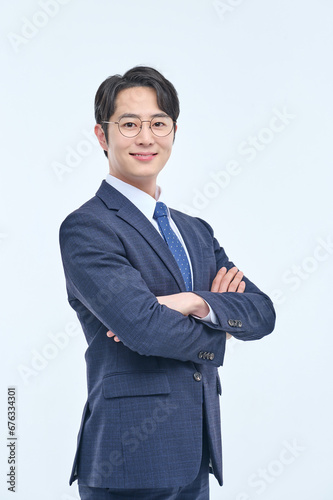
[{"x": 161, "y": 210}]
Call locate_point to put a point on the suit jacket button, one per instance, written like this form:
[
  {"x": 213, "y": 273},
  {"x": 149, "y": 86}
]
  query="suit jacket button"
[
  {"x": 231, "y": 322},
  {"x": 205, "y": 355},
  {"x": 240, "y": 324},
  {"x": 211, "y": 356},
  {"x": 197, "y": 376},
  {"x": 200, "y": 355}
]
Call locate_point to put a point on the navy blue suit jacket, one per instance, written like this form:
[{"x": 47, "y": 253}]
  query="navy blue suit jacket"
[{"x": 142, "y": 423}]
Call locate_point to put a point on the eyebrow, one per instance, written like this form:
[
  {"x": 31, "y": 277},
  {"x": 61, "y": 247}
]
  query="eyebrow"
[{"x": 132, "y": 115}]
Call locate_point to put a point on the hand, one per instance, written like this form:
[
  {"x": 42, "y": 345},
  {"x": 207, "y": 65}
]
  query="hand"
[
  {"x": 186, "y": 303},
  {"x": 228, "y": 281}
]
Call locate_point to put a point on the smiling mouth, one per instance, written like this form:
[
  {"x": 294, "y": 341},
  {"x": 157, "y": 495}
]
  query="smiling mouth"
[{"x": 142, "y": 155}]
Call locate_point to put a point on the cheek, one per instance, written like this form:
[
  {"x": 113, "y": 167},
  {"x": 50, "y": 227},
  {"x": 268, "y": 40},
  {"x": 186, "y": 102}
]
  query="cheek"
[
  {"x": 118, "y": 149},
  {"x": 169, "y": 150},
  {"x": 117, "y": 141},
  {"x": 167, "y": 147},
  {"x": 168, "y": 153}
]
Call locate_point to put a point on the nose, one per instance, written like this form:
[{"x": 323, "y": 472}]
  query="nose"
[{"x": 145, "y": 135}]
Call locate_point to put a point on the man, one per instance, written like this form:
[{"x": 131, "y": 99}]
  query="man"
[{"x": 156, "y": 295}]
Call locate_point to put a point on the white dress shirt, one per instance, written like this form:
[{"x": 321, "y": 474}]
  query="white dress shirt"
[{"x": 146, "y": 204}]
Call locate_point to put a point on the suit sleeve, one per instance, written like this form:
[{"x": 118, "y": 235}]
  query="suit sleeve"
[
  {"x": 99, "y": 276},
  {"x": 246, "y": 316}
]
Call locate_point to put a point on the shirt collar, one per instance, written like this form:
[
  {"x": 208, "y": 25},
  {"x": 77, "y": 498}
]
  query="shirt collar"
[{"x": 143, "y": 201}]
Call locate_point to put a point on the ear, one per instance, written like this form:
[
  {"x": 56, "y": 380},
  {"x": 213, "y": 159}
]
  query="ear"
[{"x": 101, "y": 136}]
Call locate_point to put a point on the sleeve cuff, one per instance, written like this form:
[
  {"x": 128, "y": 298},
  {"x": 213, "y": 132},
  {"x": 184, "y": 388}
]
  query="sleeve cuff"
[{"x": 210, "y": 318}]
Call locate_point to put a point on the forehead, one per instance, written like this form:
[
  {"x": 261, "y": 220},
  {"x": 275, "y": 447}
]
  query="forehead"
[{"x": 137, "y": 100}]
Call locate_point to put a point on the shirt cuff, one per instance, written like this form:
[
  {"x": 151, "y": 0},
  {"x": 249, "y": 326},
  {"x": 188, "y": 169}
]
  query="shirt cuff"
[{"x": 210, "y": 318}]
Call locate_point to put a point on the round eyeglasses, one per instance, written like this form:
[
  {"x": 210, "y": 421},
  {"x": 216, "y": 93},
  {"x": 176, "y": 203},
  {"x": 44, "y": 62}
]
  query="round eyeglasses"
[{"x": 161, "y": 126}]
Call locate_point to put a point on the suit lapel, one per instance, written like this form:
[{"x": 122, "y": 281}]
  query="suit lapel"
[{"x": 127, "y": 211}]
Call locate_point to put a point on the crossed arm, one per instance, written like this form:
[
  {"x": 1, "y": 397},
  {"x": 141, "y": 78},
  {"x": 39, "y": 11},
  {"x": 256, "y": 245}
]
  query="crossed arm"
[{"x": 189, "y": 303}]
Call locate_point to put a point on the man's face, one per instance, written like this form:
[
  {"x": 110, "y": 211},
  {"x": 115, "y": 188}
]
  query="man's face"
[{"x": 137, "y": 160}]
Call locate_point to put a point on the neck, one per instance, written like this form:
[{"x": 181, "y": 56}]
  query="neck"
[{"x": 146, "y": 185}]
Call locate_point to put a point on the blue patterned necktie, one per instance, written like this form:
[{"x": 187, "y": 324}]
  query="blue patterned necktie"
[{"x": 175, "y": 246}]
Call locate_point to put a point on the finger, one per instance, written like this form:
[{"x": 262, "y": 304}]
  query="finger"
[
  {"x": 235, "y": 282},
  {"x": 227, "y": 279},
  {"x": 217, "y": 280},
  {"x": 111, "y": 334},
  {"x": 228, "y": 335},
  {"x": 241, "y": 287}
]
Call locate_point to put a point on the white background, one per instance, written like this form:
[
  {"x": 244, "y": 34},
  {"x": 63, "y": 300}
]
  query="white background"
[{"x": 232, "y": 65}]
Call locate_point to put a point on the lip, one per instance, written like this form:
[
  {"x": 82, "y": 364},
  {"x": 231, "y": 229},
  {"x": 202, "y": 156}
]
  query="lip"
[{"x": 144, "y": 156}]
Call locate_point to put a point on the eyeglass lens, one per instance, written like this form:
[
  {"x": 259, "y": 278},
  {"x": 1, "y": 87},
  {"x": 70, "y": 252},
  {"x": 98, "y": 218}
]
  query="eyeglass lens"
[{"x": 160, "y": 126}]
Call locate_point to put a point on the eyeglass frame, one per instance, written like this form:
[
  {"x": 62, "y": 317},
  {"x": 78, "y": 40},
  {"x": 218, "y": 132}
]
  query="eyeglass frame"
[{"x": 144, "y": 121}]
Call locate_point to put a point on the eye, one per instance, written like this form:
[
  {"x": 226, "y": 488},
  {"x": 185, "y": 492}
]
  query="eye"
[
  {"x": 159, "y": 124},
  {"x": 128, "y": 124}
]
